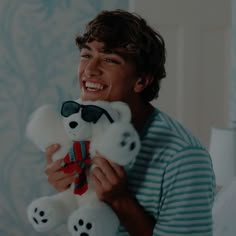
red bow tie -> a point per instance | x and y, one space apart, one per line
77 160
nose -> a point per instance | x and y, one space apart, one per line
73 124
93 67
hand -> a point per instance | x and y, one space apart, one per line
56 177
109 180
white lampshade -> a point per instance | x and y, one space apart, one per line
223 153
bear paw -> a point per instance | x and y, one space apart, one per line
81 228
43 214
93 221
120 143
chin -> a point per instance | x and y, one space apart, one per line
92 97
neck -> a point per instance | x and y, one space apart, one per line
140 113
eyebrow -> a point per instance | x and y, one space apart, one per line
105 50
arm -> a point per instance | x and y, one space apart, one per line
56 177
109 181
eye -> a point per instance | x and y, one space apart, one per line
111 60
85 55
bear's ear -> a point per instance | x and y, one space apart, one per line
123 110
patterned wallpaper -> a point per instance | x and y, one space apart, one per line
233 77
38 65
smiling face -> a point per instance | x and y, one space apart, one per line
106 75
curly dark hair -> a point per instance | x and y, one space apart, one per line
146 47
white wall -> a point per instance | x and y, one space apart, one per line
198 36
233 75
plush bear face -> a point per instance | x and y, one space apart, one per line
76 128
107 125
85 120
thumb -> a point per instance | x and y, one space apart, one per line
50 151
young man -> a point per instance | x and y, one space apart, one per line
170 188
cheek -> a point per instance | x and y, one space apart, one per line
79 74
79 69
125 84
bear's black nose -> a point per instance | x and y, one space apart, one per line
73 124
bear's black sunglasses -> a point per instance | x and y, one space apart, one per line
89 113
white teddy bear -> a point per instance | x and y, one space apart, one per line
107 126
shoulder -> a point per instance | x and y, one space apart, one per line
166 132
162 124
172 145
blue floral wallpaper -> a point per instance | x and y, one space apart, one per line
233 84
38 65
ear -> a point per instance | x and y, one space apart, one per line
123 110
142 83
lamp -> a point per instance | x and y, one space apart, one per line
223 153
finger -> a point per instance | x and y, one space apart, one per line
54 167
57 175
60 180
65 183
98 187
100 179
106 168
114 169
50 151
120 171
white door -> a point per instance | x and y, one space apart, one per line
197 35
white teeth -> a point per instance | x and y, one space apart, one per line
90 85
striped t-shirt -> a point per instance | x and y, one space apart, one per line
173 179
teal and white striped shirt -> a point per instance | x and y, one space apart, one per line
173 179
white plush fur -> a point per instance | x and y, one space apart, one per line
45 127
117 141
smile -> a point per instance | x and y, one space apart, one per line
93 86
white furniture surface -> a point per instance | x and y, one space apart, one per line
224 211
